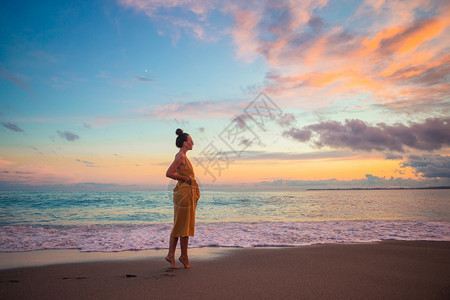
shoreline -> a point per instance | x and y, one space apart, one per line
386 269
49 257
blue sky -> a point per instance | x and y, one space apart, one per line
92 91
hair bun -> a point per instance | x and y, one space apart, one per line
179 131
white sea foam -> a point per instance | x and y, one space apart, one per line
109 238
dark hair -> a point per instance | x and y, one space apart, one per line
182 137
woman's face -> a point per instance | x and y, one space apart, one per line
189 143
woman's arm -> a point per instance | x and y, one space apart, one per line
172 171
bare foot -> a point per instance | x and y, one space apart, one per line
185 262
171 261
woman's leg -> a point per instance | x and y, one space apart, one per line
171 255
184 242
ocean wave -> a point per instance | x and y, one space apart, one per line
110 238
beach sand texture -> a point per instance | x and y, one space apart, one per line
384 270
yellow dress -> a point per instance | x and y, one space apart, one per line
185 198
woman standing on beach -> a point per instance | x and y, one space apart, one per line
185 196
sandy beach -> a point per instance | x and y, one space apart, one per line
384 270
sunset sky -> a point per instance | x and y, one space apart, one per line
275 94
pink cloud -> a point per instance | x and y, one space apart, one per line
199 110
4 163
244 35
152 7
193 21
392 13
390 49
399 64
264 27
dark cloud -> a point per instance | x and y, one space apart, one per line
275 20
342 43
316 23
301 135
67 135
273 75
241 120
393 156
432 134
340 37
181 122
354 134
430 166
87 163
421 103
84 161
144 79
12 127
426 75
297 46
370 181
6 74
246 142
286 119
438 75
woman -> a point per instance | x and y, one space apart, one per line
185 196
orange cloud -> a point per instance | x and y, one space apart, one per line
372 44
391 50
410 38
403 63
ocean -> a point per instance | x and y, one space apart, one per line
121 221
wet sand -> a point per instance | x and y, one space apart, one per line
384 270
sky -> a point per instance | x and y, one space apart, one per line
275 94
